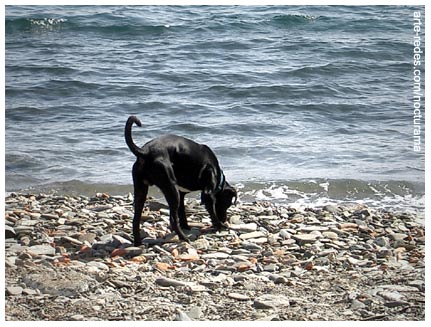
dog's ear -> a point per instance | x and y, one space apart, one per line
231 192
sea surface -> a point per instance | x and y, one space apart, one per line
301 104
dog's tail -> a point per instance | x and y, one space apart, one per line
137 151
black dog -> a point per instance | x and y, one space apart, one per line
177 165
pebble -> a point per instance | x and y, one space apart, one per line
215 255
74 253
256 234
44 249
305 238
330 235
238 296
14 290
166 282
270 301
9 232
182 316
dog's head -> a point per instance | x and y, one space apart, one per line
223 200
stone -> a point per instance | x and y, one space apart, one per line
235 219
305 238
356 305
331 208
256 234
393 304
382 241
74 241
244 228
397 237
14 290
182 316
238 296
195 313
49 216
87 237
9 232
121 239
29 291
133 251
270 301
44 249
313 228
215 255
68 283
284 234
166 282
77 317
330 235
391 296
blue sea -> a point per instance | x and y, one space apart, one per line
301 104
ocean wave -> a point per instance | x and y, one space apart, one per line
74 24
291 20
34 24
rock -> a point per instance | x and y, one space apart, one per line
382 241
96 266
356 305
201 244
49 216
244 228
77 317
304 238
9 232
269 301
391 296
133 251
195 313
121 239
397 237
182 316
87 237
393 304
14 290
256 234
284 234
330 235
67 283
348 227
29 291
74 241
235 219
45 249
331 208
238 296
313 228
166 282
215 255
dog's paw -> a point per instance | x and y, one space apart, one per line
185 226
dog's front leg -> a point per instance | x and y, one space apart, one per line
182 212
166 182
173 198
211 208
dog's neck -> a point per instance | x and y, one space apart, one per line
221 182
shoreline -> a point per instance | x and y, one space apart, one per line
71 258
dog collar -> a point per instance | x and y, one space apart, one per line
220 183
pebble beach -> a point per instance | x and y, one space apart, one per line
72 258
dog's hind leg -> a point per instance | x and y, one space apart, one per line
140 195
